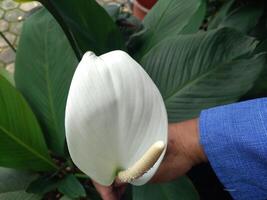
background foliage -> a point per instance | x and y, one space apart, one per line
199 53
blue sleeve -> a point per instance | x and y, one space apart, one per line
234 138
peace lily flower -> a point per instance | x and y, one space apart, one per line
116 121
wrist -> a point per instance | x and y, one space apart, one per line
189 137
198 150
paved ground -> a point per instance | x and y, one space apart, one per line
12 15
11 19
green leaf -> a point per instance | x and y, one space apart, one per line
113 10
94 195
65 198
260 30
45 64
19 195
128 193
181 189
7 75
22 144
170 18
13 180
196 20
13 183
23 0
71 187
87 25
43 185
259 88
203 70
243 18
220 15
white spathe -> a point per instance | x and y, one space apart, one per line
114 113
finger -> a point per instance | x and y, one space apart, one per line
106 192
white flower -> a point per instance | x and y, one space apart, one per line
114 114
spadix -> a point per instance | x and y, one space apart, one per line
116 122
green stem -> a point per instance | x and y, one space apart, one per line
61 21
79 175
8 42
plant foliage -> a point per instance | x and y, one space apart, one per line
198 59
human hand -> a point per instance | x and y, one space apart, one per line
183 152
112 192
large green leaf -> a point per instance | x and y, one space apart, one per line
22 144
13 180
181 189
43 185
13 184
259 89
71 187
260 30
19 195
87 25
23 0
196 19
169 18
243 18
45 64
202 70
65 198
220 15
7 75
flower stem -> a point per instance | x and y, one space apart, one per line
8 42
79 175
